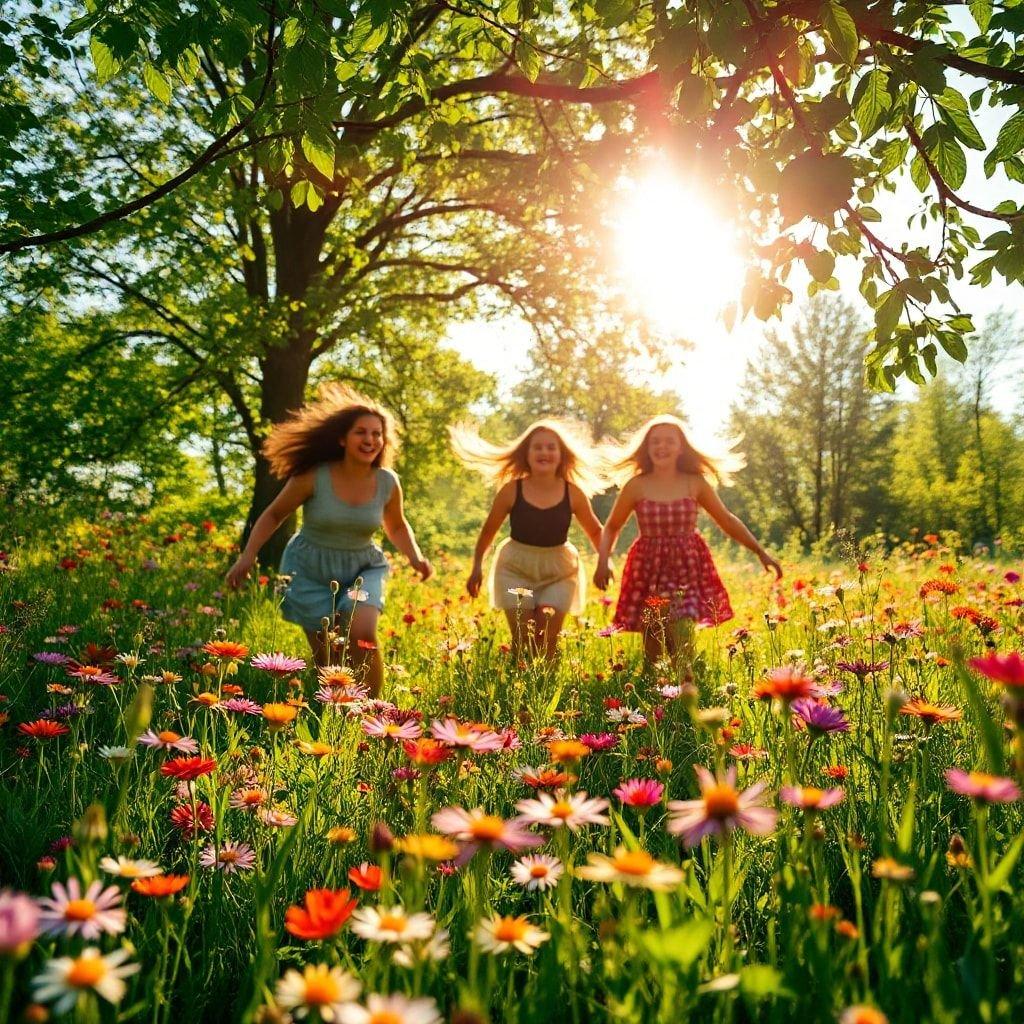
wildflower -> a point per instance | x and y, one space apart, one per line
891 870
563 751
70 911
476 828
393 1009
786 685
862 669
809 799
168 740
248 798
543 778
160 885
537 871
819 719
427 847
631 867
240 706
367 876
984 788
500 934
54 658
327 991
863 1014
383 729
187 769
338 676
746 752
65 978
480 740
435 948
278 716
340 835
182 819
931 714
720 809
116 754
206 699
391 924
231 857
94 674
598 742
278 664
322 916
124 867
1007 669
625 716
19 923
957 855
639 792
836 772
276 817
43 729
426 751
573 810
225 650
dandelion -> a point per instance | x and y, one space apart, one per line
19 923
160 886
537 871
391 924
231 857
984 788
630 867
322 915
639 792
187 769
168 740
477 828
92 913
810 799
317 988
125 867
501 934
571 810
278 664
65 978
393 1009
720 809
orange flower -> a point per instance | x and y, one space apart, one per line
226 650
425 751
567 751
279 715
931 714
367 876
160 885
43 729
187 768
324 914
786 685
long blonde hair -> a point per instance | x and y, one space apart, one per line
311 434
500 463
631 458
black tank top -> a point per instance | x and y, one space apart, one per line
541 527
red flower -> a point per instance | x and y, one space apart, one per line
181 818
367 876
226 649
187 768
324 914
425 751
43 729
1007 669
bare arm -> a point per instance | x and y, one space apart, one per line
296 491
399 532
583 510
732 526
621 511
500 508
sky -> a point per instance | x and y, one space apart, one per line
673 290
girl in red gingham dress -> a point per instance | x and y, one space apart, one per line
669 577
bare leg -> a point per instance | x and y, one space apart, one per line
547 627
366 661
321 655
520 625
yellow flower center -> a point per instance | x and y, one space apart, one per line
252 798
393 923
563 809
85 972
721 801
634 862
321 989
811 796
510 929
79 910
982 778
384 1017
539 871
128 870
487 828
167 736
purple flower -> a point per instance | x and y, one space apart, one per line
240 705
862 669
820 719
51 658
62 712
19 923
278 664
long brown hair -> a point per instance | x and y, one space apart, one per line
310 435
632 458
578 464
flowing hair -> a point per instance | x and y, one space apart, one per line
629 459
310 436
579 463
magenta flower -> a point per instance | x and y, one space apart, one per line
231 857
169 740
477 828
599 741
93 674
810 799
466 734
639 792
862 669
1011 577
1007 668
278 664
70 911
19 923
720 809
986 789
240 705
382 729
51 658
820 719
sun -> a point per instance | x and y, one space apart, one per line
675 253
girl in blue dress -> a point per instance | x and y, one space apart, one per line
334 455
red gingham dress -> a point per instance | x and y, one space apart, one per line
670 559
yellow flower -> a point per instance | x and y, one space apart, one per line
279 715
631 867
427 847
340 835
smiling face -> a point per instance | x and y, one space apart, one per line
365 440
544 454
664 445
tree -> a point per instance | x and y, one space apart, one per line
815 436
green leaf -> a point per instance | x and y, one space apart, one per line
365 36
888 314
954 345
318 149
953 111
292 32
103 59
981 12
815 185
1001 872
1010 140
298 193
821 265
680 946
905 837
156 82
841 31
871 101
759 981
946 154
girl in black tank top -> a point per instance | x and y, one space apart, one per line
537 576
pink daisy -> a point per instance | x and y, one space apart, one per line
599 741
572 810
240 706
382 729
463 734
720 809
169 740
70 911
477 828
278 664
986 789
231 857
639 792
811 799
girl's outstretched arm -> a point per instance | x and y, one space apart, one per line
296 491
583 510
733 527
500 508
399 532
621 511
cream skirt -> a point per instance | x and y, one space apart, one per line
554 576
